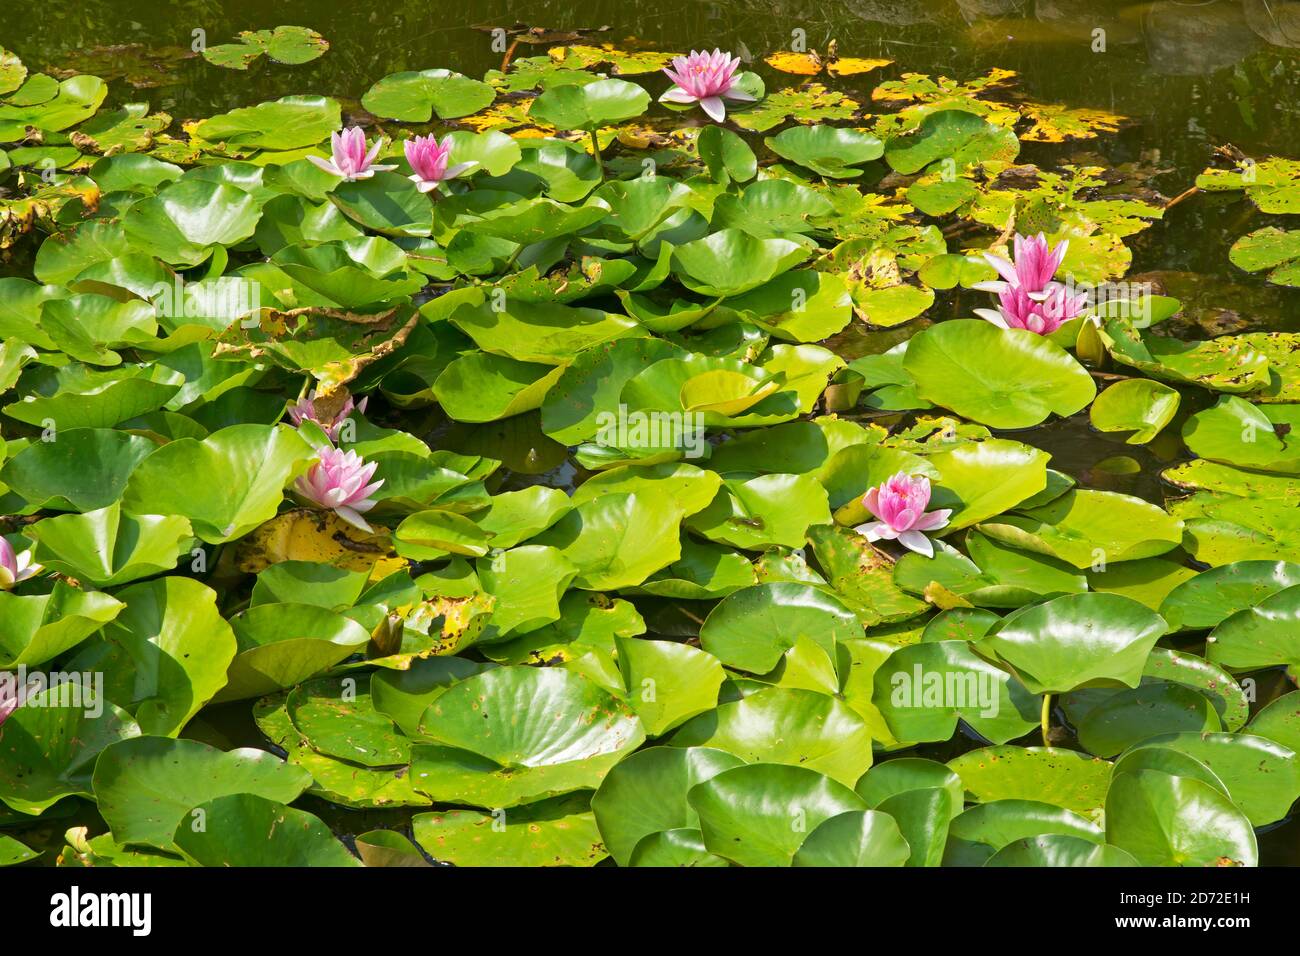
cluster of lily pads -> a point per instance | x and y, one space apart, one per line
349 426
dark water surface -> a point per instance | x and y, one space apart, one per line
1191 76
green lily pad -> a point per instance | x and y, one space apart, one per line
1238 433
187 220
281 645
1062 778
288 123
924 689
107 548
415 97
854 838
540 332
978 833
166 653
1132 716
487 756
1165 820
337 718
254 463
387 203
246 829
590 105
751 628
617 540
12 852
39 627
285 44
730 262
85 470
668 683
955 135
1059 849
481 387
827 150
1004 378
1276 250
557 832
50 744
801 728
147 787
527 582
760 814
1259 636
680 847
1137 405
338 781
1059 645
756 513
647 794
993 576
1090 529
1279 721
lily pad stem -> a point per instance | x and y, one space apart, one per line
1047 720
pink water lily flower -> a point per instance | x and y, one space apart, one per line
15 567
428 159
1018 309
1031 267
9 696
337 481
304 410
707 79
350 158
899 505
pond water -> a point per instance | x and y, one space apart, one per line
1190 77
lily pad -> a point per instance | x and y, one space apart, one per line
1066 642
246 829
751 628
226 484
571 734
966 366
1137 405
827 150
147 787
50 745
556 832
1165 820
760 814
647 794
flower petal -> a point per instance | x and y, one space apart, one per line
992 315
676 94
714 106
915 541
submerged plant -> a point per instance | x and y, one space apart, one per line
340 481
899 506
707 79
